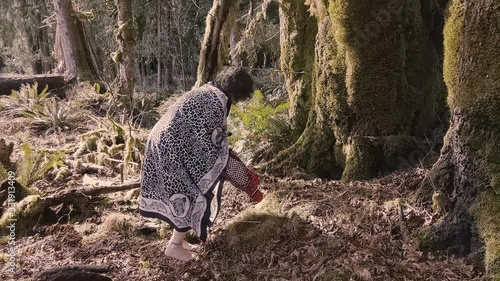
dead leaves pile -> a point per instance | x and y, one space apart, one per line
320 230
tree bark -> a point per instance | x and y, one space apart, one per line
297 33
126 42
466 179
169 67
368 87
70 49
160 46
213 41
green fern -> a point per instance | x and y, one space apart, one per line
26 101
259 121
36 163
53 116
47 114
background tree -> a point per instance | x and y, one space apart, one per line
215 42
125 56
71 48
368 87
466 179
30 52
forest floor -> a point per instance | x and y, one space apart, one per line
302 230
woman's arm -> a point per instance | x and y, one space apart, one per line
241 177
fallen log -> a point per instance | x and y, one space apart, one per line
100 190
77 194
36 209
9 83
85 168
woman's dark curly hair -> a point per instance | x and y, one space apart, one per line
235 82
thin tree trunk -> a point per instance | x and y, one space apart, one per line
126 43
33 34
47 64
235 37
143 72
160 47
168 58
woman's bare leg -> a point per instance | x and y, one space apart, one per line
175 247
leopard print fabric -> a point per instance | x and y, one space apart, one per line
236 172
186 152
239 175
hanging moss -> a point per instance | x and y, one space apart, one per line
127 31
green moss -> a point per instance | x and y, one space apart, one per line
426 239
114 222
376 74
384 61
256 224
127 31
297 59
473 83
117 57
452 36
360 160
485 212
62 174
26 214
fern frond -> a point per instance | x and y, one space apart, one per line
25 165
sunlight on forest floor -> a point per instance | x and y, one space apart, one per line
303 230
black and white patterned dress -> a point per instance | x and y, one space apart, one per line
186 152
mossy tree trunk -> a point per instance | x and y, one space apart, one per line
297 36
216 39
466 179
126 36
371 85
70 44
